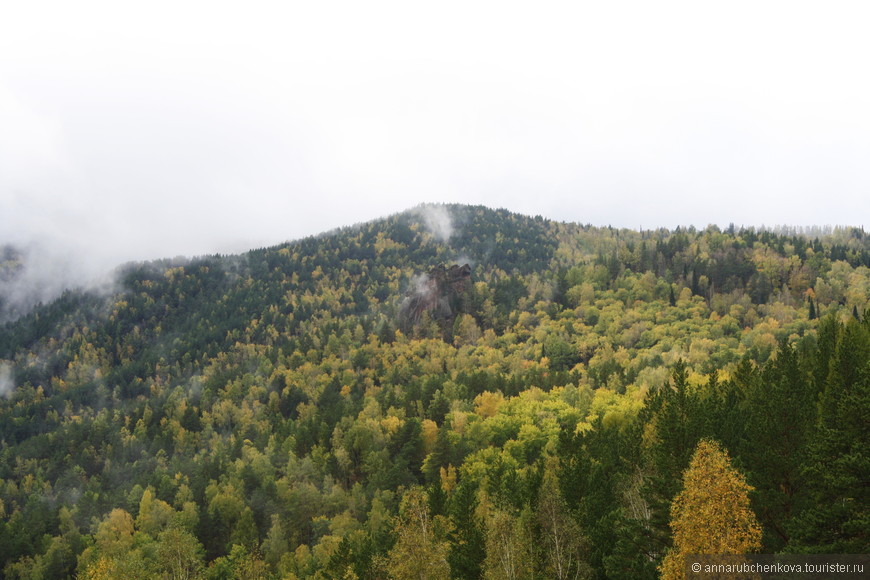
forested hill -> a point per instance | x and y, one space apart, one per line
350 406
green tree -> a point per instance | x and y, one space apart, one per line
673 422
239 564
467 541
779 422
837 516
276 544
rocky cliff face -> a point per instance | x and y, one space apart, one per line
442 293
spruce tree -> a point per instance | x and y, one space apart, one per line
467 541
677 417
781 401
837 518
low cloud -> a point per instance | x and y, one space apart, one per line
437 220
7 383
38 274
463 259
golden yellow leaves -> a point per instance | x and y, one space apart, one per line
712 514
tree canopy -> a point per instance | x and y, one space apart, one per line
273 415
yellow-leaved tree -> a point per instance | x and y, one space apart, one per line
712 514
421 549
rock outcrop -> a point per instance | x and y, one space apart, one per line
443 294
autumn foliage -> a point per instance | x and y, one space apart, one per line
712 514
270 414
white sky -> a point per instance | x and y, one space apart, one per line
150 129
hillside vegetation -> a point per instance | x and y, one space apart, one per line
279 414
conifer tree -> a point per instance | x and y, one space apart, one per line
837 516
678 421
467 545
778 428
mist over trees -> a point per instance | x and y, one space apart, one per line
281 414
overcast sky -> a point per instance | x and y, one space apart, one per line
149 129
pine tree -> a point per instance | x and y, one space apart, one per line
712 514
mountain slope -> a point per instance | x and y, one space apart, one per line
269 410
